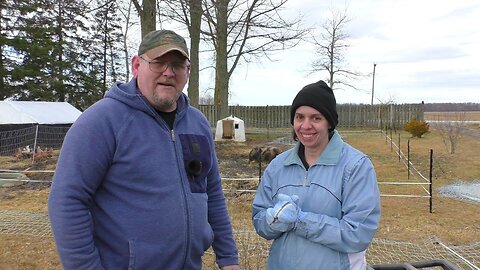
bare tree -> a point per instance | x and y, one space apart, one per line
3 92
127 16
188 13
206 99
148 15
331 48
235 32
194 31
384 113
246 31
218 26
451 130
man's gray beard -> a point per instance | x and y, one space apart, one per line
164 104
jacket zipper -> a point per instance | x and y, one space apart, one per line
187 247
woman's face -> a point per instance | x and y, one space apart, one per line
311 128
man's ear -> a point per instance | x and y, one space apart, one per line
135 65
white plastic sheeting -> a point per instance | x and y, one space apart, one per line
37 112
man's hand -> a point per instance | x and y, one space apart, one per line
230 267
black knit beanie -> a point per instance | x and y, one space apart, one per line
320 97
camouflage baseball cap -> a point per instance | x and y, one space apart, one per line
159 42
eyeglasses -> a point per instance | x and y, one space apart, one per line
159 66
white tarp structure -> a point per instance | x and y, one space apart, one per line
230 128
37 112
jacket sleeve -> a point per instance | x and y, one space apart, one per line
264 200
361 214
223 244
81 166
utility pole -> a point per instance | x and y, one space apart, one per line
373 82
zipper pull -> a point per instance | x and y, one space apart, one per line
172 134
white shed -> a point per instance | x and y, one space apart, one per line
230 128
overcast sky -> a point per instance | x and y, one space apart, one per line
425 50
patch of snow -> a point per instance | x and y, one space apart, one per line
462 190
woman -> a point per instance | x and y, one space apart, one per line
319 201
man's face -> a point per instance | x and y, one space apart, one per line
161 88
311 128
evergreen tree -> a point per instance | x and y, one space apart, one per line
30 49
56 51
108 32
3 40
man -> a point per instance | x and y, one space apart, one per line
137 184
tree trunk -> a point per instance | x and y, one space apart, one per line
148 19
3 91
221 69
194 30
58 73
125 44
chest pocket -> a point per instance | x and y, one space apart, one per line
196 157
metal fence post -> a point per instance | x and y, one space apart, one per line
431 180
399 151
35 144
408 159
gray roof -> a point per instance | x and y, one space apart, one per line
37 112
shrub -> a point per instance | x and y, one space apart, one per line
417 128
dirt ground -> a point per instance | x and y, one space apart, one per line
404 219
452 220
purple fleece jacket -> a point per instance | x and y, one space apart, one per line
122 198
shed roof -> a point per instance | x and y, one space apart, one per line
37 112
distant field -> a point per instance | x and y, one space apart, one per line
452 116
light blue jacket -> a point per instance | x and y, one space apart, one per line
340 195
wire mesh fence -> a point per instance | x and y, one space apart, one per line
253 250
27 140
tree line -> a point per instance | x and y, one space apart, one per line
59 50
74 50
452 107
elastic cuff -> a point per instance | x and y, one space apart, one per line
301 216
227 261
301 229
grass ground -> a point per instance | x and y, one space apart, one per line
406 219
